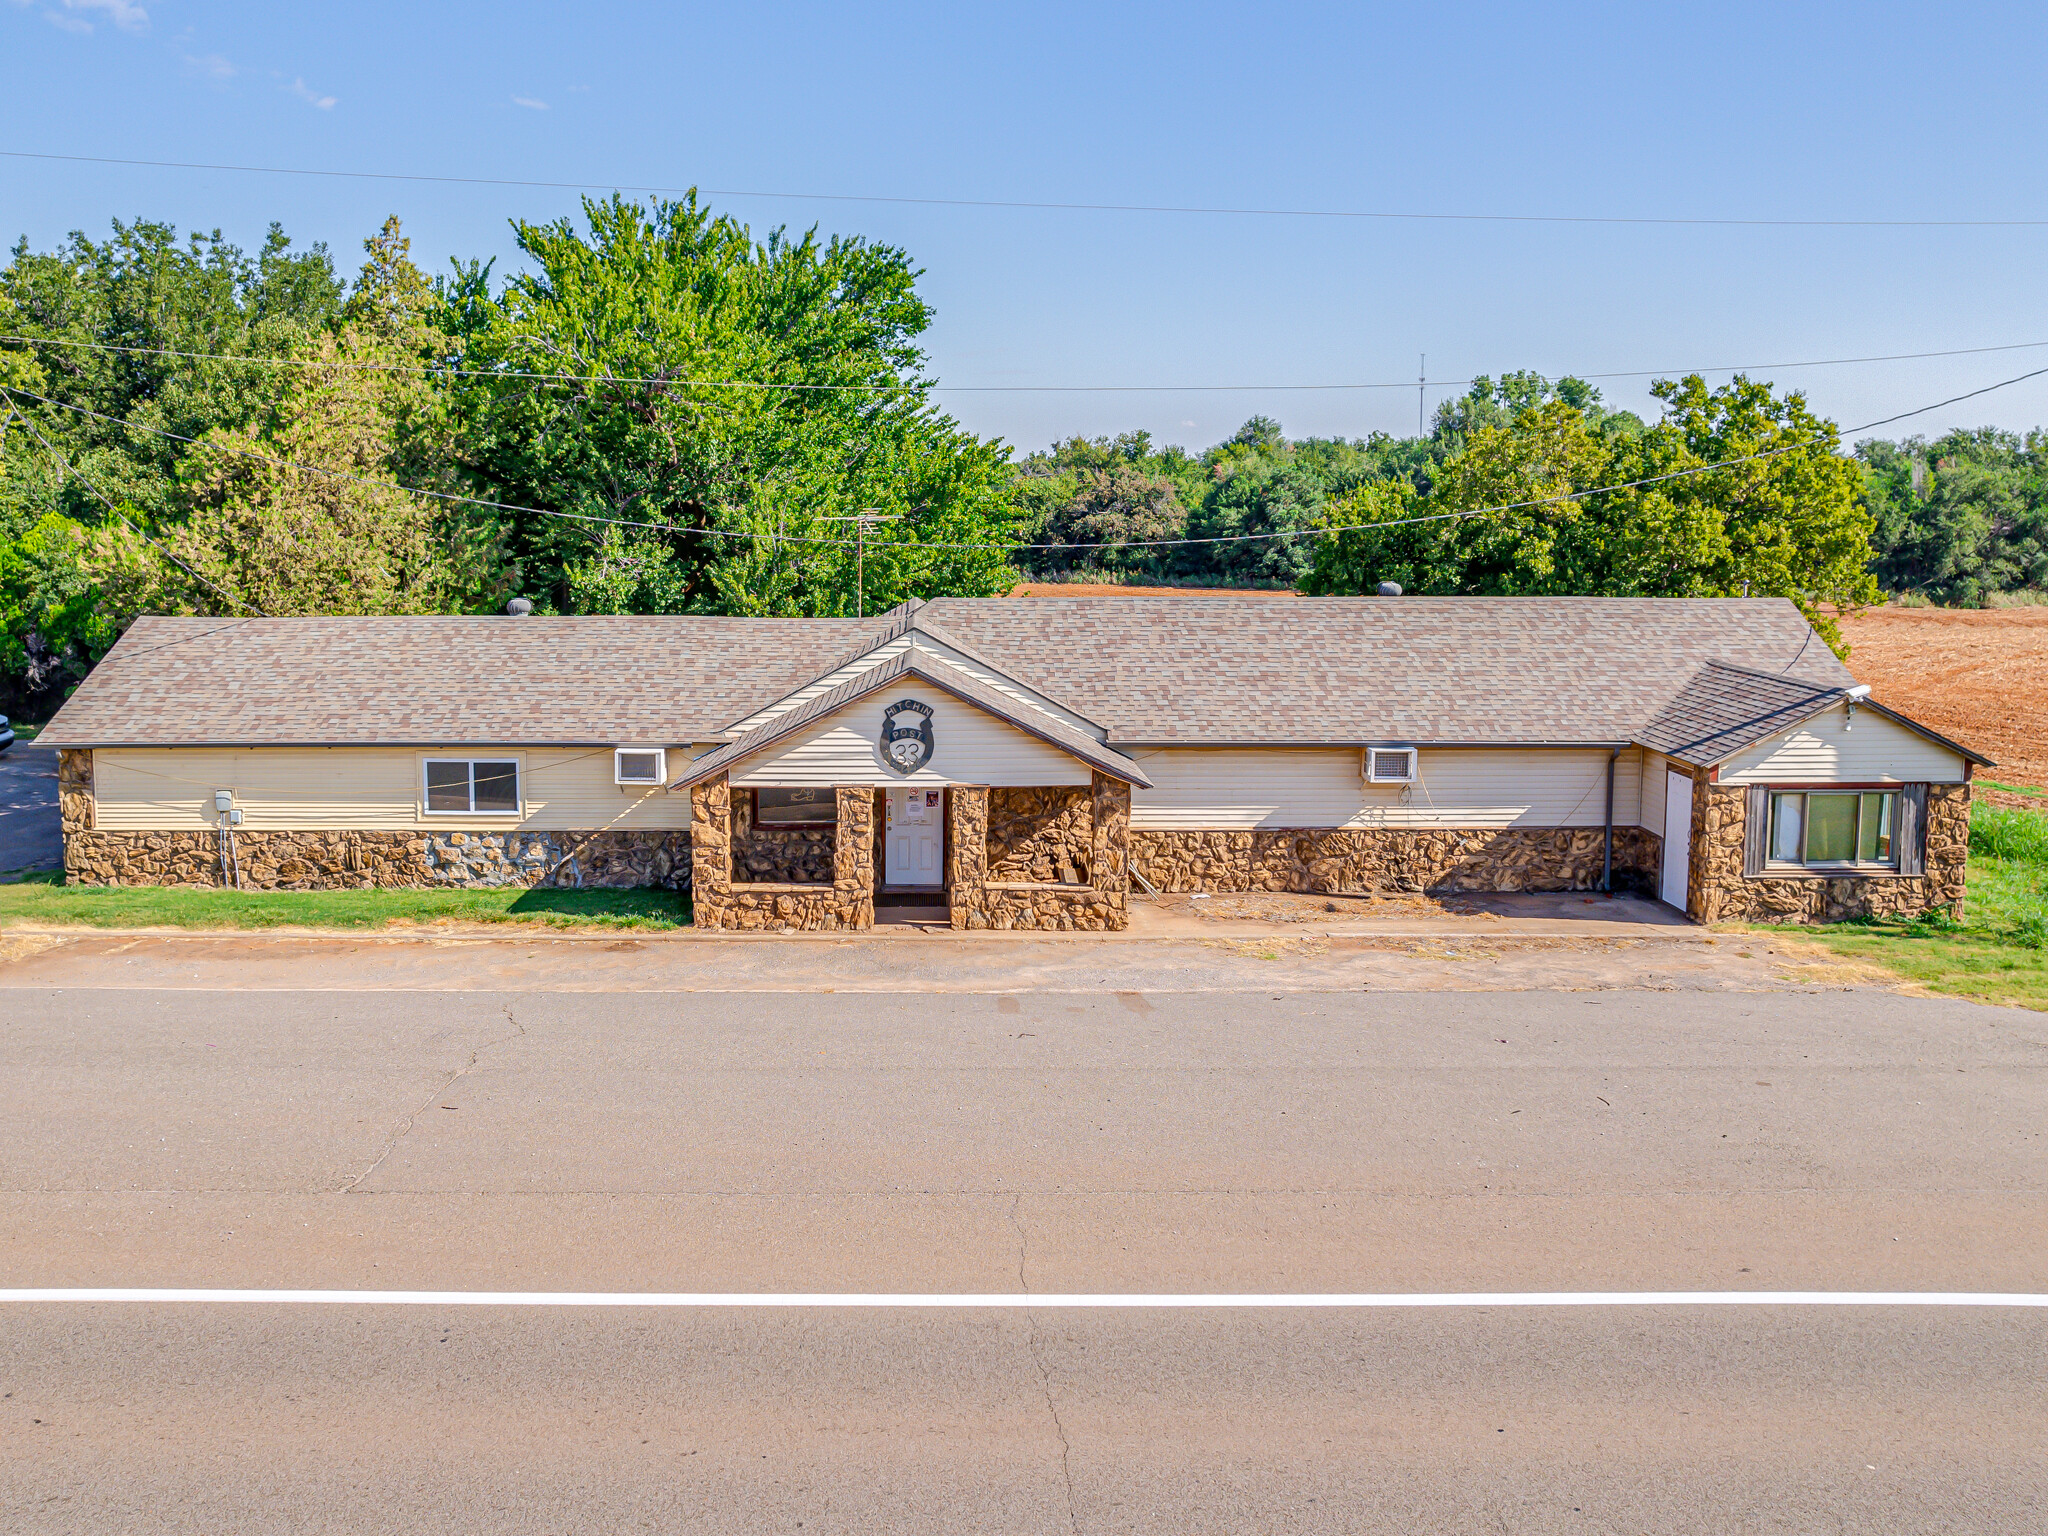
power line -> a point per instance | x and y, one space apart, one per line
982 202
1241 538
439 370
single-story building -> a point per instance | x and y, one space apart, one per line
1022 762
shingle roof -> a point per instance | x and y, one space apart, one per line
939 675
423 681
1724 709
1420 669
1198 670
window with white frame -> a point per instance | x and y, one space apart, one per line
1834 828
472 786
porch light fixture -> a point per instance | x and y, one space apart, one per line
1856 696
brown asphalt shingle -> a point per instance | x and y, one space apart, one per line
1194 669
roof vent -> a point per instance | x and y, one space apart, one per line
1390 589
519 607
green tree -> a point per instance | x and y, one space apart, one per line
1522 506
646 320
144 290
1243 512
1960 520
1096 501
321 509
140 289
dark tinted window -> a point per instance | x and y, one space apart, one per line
796 807
447 786
497 786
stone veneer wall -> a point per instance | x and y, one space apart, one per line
1333 860
720 902
74 789
977 897
1043 835
359 860
353 859
778 855
1717 891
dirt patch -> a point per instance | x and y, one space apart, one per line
1977 675
1289 907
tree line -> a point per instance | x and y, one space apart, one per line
661 413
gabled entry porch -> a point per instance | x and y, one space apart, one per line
911 780
1059 858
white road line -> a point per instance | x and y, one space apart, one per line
859 1300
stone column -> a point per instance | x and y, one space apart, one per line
1716 821
1109 859
853 856
74 788
967 857
1948 847
711 852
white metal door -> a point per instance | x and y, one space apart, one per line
1677 837
914 838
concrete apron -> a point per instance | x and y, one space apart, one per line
905 963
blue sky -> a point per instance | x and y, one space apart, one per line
1724 111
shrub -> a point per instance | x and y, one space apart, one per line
2020 837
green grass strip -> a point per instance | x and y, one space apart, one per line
43 900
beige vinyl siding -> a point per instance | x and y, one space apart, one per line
1232 788
970 747
1830 748
373 788
1650 771
924 644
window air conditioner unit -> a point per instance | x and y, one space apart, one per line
1390 765
643 766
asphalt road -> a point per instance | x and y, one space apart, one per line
1155 1142
31 830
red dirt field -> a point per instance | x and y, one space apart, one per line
1977 675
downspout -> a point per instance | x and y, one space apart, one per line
1607 857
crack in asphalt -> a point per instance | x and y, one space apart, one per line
1052 1408
406 1125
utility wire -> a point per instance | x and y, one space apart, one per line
72 470
981 202
1240 538
950 389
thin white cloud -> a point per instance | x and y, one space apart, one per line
211 65
312 97
529 103
125 14
67 23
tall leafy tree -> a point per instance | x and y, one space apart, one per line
646 322
142 289
1094 505
318 506
1257 514
1749 495
1960 520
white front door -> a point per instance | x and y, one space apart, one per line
1677 836
914 839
